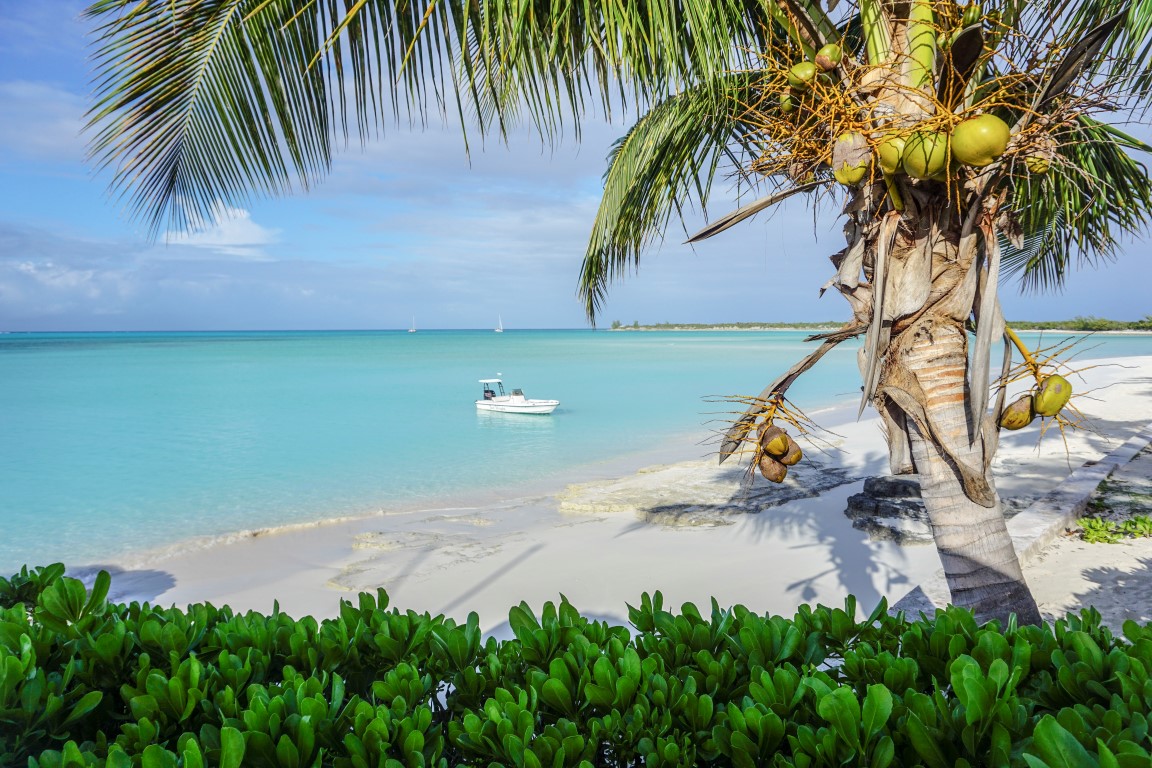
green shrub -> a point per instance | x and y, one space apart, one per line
87 683
1098 530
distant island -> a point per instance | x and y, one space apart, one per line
1084 324
1078 324
636 326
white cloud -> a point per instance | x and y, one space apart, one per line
232 233
80 279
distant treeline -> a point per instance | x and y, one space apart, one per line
636 326
1075 324
1085 324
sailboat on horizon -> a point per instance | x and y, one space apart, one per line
499 324
412 329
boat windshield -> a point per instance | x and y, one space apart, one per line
517 392
493 388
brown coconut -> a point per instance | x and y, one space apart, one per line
772 469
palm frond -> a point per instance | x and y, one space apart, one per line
730 220
203 102
1095 193
1129 46
669 158
1080 57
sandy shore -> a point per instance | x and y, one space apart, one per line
690 529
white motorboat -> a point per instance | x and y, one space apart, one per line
496 399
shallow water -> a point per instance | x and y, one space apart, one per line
116 443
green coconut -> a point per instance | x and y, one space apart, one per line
889 152
850 174
926 155
980 140
829 57
787 104
801 75
973 13
1053 394
1038 163
1019 414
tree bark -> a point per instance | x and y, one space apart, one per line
980 563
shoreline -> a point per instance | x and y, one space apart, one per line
676 448
682 448
592 540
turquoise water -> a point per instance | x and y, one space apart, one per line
116 443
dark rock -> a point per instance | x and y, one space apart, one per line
862 505
895 497
888 487
899 530
890 509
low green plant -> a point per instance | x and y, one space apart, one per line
1139 527
1097 530
85 682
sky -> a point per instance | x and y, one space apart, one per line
407 229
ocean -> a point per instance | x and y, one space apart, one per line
120 444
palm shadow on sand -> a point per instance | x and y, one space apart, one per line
1117 594
128 585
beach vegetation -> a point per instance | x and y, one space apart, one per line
737 326
1096 530
88 682
1076 324
200 104
1085 324
1103 530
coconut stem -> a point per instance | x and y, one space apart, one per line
921 44
770 413
894 192
784 19
877 35
1029 358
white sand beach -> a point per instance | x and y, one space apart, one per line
687 528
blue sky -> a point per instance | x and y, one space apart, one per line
407 227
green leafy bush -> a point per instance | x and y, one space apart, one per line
87 683
1095 530
1098 530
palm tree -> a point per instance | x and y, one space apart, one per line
962 140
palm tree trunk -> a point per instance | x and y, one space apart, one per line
980 563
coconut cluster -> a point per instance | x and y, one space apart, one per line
928 155
1047 400
804 74
908 120
827 123
777 452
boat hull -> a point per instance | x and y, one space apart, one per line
532 407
